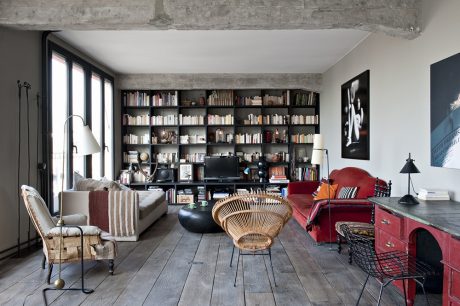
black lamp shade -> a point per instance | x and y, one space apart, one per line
409 167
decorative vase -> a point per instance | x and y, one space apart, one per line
262 165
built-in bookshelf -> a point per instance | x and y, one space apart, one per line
174 127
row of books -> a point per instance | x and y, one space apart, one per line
136 120
221 98
302 138
305 99
136 139
248 138
165 99
219 120
306 174
130 156
192 139
136 99
304 119
191 120
193 157
164 120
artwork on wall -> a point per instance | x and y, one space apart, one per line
355 117
445 112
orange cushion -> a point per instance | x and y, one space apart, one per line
323 192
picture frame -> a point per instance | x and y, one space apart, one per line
445 112
355 117
186 172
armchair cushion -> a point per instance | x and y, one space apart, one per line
88 230
74 219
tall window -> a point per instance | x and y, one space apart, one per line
78 88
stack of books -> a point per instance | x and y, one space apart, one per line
278 179
431 194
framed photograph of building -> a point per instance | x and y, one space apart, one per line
445 112
185 172
355 117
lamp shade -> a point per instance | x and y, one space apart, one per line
317 157
318 141
87 143
409 167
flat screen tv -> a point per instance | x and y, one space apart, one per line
221 168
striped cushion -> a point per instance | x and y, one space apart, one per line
347 193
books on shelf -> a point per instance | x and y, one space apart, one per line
136 139
220 120
165 99
433 194
136 99
306 174
302 138
191 120
305 99
221 98
304 119
136 120
164 120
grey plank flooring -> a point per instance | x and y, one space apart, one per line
170 266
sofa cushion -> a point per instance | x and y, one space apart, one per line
326 191
148 200
347 193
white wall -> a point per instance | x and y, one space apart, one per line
19 60
399 99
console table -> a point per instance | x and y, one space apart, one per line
396 228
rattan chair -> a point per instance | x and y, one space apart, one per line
75 238
252 221
385 267
381 189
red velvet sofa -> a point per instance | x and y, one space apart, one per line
313 215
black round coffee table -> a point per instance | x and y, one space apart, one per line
199 219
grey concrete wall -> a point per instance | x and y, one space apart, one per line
19 60
399 100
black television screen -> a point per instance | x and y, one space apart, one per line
221 168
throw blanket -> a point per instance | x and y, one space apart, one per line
115 212
319 205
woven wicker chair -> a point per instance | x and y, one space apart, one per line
94 246
252 221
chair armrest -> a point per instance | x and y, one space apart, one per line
75 219
305 187
72 231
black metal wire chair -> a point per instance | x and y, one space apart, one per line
385 267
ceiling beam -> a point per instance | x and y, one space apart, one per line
307 81
393 17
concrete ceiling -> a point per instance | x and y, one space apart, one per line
277 51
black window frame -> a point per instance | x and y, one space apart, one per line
89 69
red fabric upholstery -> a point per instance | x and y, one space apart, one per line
313 215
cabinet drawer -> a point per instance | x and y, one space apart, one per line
388 222
454 253
386 242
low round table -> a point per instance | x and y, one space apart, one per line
199 219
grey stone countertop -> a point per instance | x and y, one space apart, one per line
444 215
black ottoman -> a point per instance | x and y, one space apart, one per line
199 219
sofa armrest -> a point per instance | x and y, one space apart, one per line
75 202
304 187
72 231
75 219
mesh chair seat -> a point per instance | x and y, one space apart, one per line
386 266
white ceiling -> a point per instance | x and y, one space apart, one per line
255 51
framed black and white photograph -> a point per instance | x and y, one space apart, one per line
445 112
355 117
185 172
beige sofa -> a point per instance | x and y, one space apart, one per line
152 205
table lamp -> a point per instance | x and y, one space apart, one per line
409 168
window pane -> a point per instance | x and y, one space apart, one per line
96 124
108 130
78 108
59 106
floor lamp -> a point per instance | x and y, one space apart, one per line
317 158
87 144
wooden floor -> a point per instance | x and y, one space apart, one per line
170 266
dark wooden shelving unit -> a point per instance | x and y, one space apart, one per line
239 112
